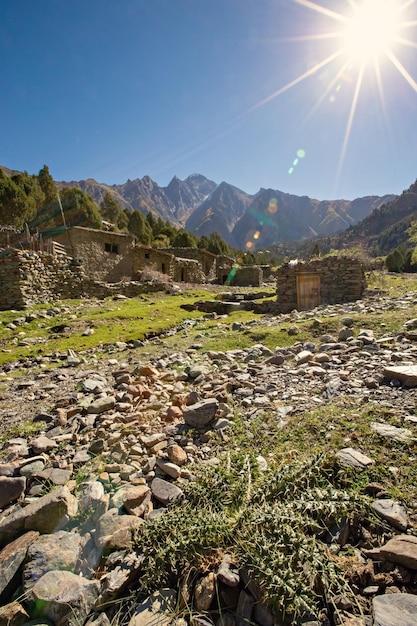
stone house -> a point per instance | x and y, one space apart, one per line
207 260
305 285
216 267
179 269
106 255
153 259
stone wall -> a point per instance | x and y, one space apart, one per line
153 259
247 276
28 278
341 280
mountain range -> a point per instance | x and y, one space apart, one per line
245 221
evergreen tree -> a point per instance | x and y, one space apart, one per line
184 240
150 218
217 245
111 211
139 227
35 197
47 185
13 202
203 243
161 241
78 209
394 261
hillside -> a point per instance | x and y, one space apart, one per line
385 228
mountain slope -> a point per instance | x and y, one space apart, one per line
386 227
188 194
275 216
220 212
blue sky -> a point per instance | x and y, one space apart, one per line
116 90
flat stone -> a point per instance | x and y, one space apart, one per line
303 357
46 515
227 572
395 609
114 531
406 374
134 499
164 491
13 614
392 512
204 592
8 469
201 414
81 457
59 594
30 469
43 444
177 455
92 501
152 611
58 551
402 550
11 560
101 405
151 440
170 469
402 435
55 475
349 457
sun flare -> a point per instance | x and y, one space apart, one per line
357 42
371 30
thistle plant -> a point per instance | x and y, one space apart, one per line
273 524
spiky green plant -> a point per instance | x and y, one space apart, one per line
273 523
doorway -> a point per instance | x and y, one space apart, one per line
308 291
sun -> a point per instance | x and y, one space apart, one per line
371 30
363 37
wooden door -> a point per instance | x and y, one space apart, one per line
308 291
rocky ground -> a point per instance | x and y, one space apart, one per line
121 437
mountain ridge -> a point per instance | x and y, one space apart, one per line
245 221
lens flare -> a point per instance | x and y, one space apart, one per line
273 206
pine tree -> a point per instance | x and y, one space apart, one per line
47 184
139 227
112 211
13 203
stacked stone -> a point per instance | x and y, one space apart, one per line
28 278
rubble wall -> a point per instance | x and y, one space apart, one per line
247 276
28 278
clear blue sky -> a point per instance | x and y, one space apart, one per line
113 90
